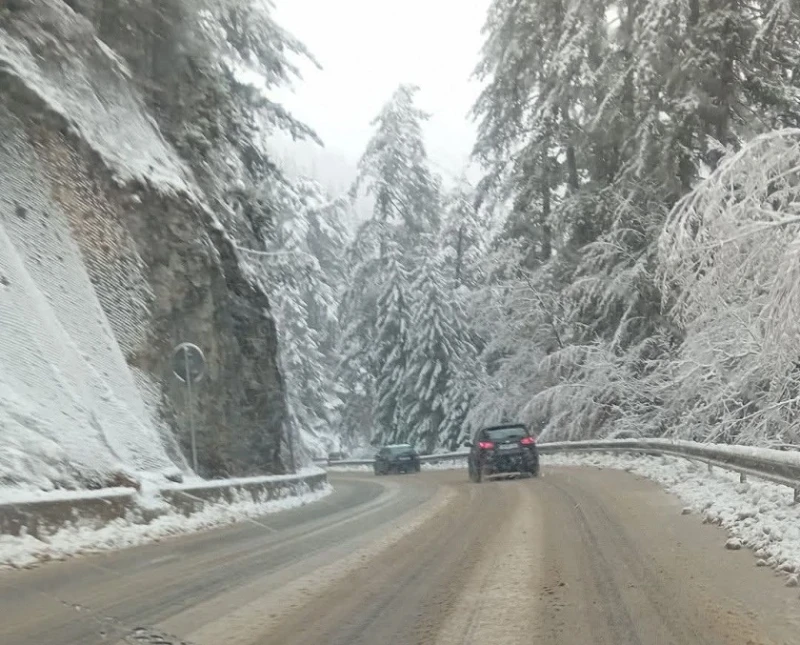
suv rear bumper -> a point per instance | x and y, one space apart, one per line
517 462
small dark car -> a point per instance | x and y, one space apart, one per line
336 456
503 449
396 459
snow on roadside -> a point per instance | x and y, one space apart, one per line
26 551
446 464
757 514
349 469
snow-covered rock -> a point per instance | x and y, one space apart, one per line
109 256
733 544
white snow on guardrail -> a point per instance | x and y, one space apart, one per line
766 455
197 483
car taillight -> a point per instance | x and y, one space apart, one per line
485 445
528 441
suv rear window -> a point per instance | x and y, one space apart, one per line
400 450
504 434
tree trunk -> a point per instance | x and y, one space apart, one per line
459 254
547 242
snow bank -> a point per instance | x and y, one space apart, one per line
757 514
165 521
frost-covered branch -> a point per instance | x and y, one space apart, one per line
735 243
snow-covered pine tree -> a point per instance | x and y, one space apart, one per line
463 237
464 242
357 315
304 279
255 55
463 379
434 341
326 236
395 172
390 351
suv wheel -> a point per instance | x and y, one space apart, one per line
532 471
530 466
476 473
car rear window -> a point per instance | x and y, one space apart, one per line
400 450
503 434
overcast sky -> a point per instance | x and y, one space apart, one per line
367 48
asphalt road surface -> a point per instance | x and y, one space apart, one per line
578 556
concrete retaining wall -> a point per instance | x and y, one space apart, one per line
98 509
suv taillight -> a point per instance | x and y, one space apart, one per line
528 441
485 445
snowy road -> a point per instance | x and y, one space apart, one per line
579 556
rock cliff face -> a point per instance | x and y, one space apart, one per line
116 244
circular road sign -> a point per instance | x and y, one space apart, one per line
188 363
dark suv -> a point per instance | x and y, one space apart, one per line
502 449
395 459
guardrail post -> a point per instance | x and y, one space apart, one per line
710 468
796 495
742 478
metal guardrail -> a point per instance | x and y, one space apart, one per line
779 466
447 456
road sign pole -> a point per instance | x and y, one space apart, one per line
188 366
191 412
291 447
